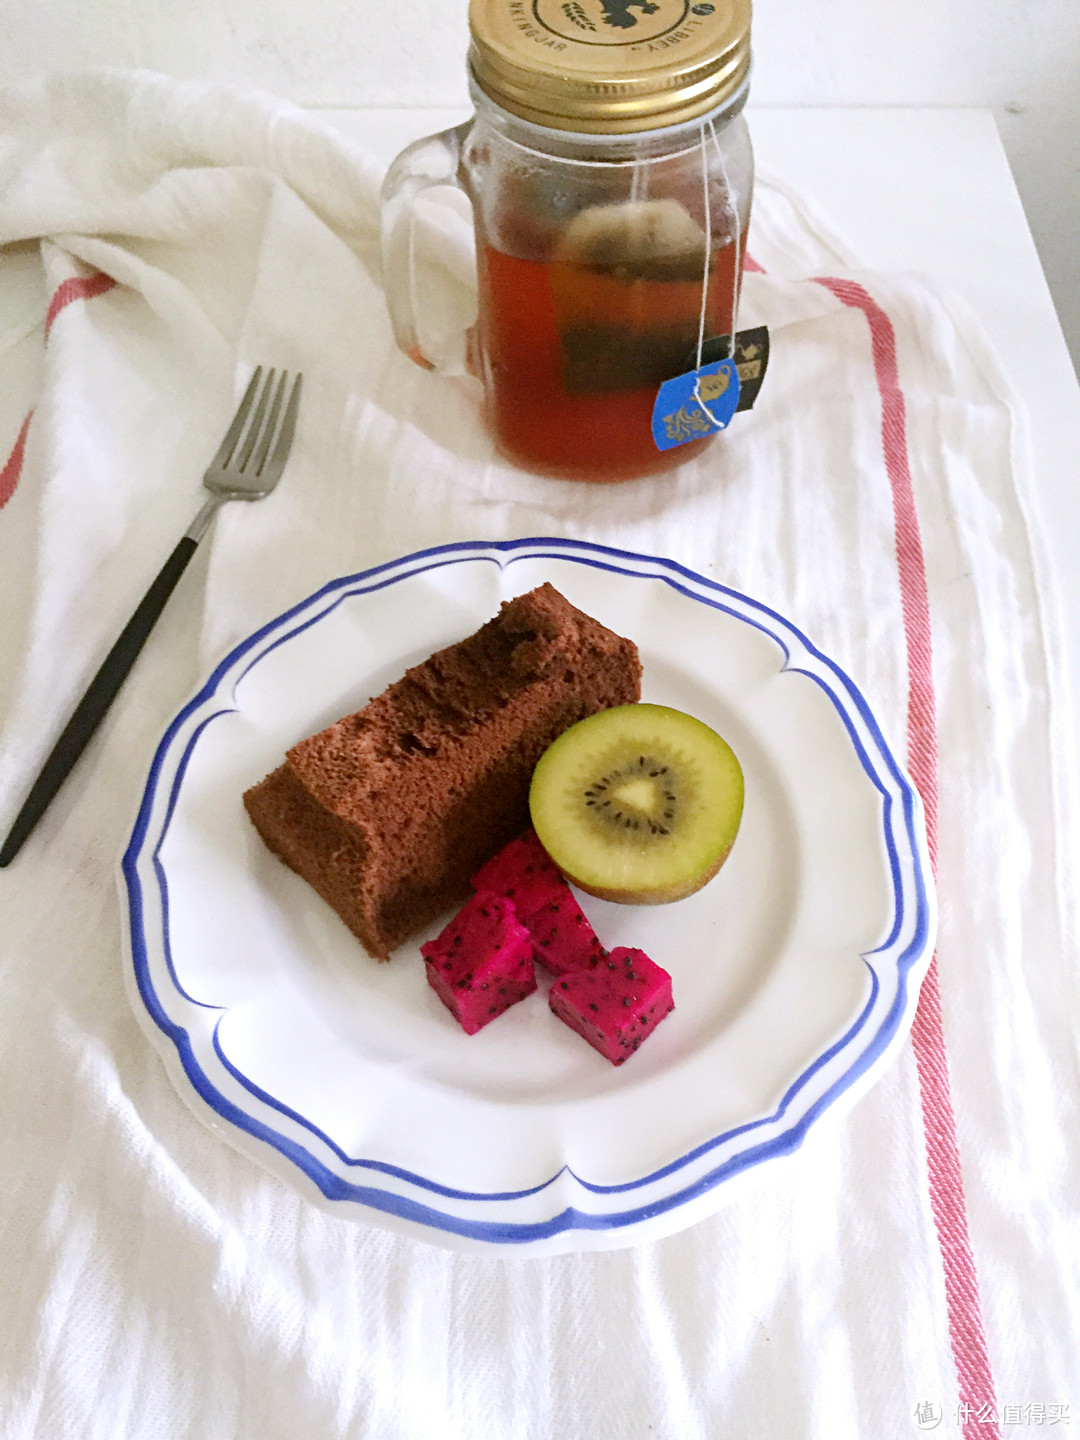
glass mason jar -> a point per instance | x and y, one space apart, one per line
610 174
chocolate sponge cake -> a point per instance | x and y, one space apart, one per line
389 811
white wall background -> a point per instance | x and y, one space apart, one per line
1019 57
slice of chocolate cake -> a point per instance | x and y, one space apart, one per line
388 812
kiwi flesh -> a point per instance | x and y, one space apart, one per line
639 804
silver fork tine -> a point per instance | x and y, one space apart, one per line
256 423
271 423
276 463
232 435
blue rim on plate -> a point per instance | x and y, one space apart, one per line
674 1193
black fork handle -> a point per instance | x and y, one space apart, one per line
94 705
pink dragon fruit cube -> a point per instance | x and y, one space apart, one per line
615 1004
563 939
481 963
524 873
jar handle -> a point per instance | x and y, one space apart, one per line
427 163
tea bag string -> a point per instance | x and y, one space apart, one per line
707 208
708 258
736 236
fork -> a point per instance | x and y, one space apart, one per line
246 467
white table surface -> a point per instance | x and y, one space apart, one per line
918 191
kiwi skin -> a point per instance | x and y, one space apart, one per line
650 897
723 774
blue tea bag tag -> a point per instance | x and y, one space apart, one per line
695 404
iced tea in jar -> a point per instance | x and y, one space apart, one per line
610 173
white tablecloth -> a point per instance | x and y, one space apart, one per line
917 1258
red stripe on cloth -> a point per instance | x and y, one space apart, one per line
966 1332
77 288
915 601
749 263
9 476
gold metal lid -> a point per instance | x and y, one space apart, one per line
609 67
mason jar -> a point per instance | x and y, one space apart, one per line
610 175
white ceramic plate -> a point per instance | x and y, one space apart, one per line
795 971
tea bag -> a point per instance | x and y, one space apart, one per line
636 240
626 282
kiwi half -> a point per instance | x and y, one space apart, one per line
639 804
